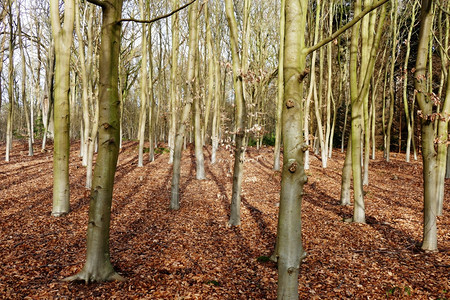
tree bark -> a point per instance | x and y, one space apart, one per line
144 88
63 41
173 103
280 95
98 266
9 120
184 121
428 150
289 248
240 113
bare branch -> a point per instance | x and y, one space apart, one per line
157 18
344 28
98 2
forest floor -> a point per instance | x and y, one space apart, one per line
193 254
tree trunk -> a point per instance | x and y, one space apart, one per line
391 81
428 150
240 113
346 175
289 248
184 122
63 41
173 103
84 93
280 95
359 92
151 101
28 116
198 137
447 174
98 265
9 121
144 88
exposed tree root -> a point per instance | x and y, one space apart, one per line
89 277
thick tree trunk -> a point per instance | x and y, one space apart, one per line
356 124
98 265
289 238
63 41
427 129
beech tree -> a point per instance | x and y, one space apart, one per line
184 118
62 36
240 112
98 266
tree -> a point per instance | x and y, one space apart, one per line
280 95
173 84
144 87
10 84
289 248
240 112
98 266
62 36
193 27
427 129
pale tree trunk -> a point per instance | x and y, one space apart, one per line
173 103
394 15
347 175
98 266
47 101
356 124
2 51
85 80
409 120
9 121
428 150
289 237
91 145
328 135
280 94
442 125
184 120
311 92
211 62
359 92
144 87
240 113
198 138
447 174
367 27
151 101
28 116
216 115
317 98
63 41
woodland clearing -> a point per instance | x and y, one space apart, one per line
193 254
